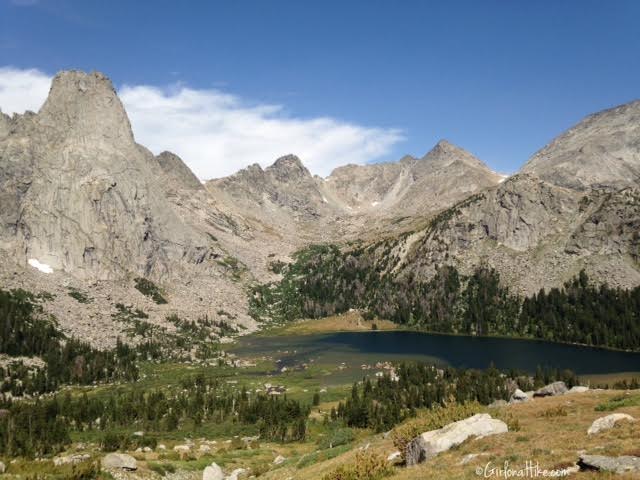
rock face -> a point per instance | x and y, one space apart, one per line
605 423
119 461
551 390
432 443
83 197
601 150
623 464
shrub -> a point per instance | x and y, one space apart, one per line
111 442
367 466
337 437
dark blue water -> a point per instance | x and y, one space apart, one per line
355 348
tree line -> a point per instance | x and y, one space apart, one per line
323 281
27 331
43 426
387 401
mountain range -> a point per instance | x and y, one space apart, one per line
83 207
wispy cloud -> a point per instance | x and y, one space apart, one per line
217 133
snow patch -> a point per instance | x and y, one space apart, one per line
373 204
324 199
43 267
502 178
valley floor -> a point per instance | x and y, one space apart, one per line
548 431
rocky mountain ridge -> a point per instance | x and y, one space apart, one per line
82 199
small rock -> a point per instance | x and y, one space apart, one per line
138 434
120 460
213 472
162 446
3 468
470 457
279 459
204 448
623 464
71 459
147 450
394 457
605 423
551 390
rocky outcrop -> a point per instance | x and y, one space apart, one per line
430 444
551 390
601 463
119 461
178 174
608 422
601 150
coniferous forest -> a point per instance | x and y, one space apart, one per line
27 331
323 281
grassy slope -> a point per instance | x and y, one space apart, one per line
347 322
553 441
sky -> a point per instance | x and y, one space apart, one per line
225 84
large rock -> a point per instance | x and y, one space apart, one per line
120 460
213 472
518 396
623 464
551 390
430 444
605 423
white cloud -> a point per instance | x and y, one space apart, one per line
216 133
22 90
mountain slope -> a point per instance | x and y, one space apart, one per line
446 174
80 197
601 150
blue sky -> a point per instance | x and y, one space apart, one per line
499 78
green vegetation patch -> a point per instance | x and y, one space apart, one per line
79 296
150 289
619 402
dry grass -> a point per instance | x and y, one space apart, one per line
551 440
348 322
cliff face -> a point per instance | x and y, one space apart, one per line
83 196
